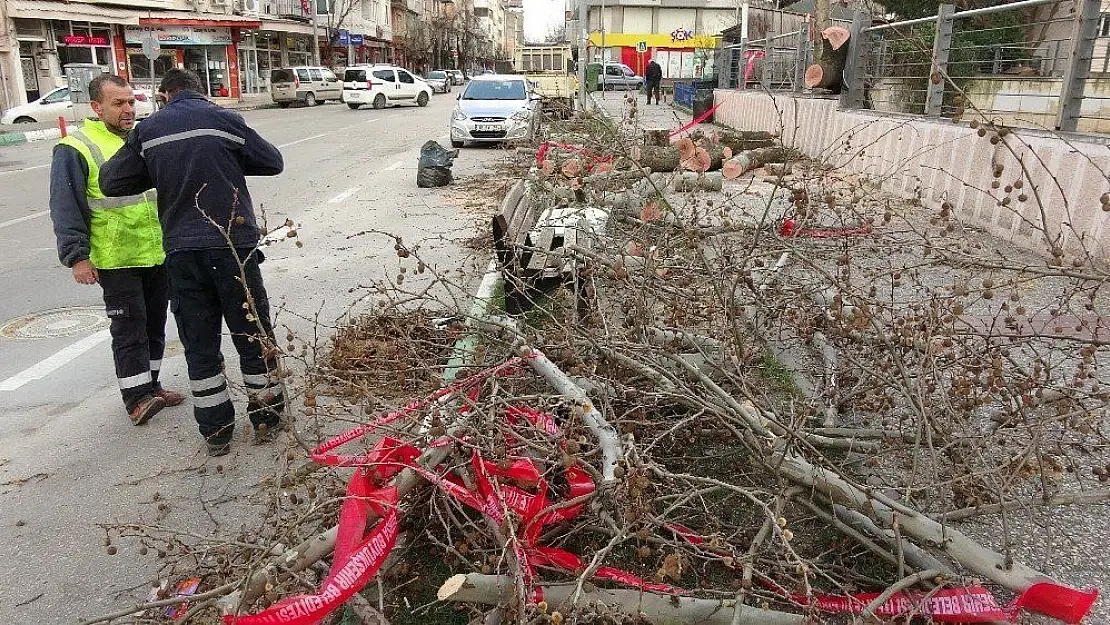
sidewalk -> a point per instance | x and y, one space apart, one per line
18 134
616 106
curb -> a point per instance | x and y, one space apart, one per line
19 138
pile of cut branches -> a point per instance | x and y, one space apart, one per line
716 418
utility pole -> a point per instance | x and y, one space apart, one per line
582 37
315 36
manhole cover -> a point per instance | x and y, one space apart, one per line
53 323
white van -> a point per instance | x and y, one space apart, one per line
310 85
383 85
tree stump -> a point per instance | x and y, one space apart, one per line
828 71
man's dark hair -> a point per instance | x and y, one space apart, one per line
178 80
96 85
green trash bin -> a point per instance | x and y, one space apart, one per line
593 70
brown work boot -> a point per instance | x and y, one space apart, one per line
145 409
172 398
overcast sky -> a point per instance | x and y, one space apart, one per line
541 16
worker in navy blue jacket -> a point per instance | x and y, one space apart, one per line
197 155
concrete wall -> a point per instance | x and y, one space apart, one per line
1021 102
945 161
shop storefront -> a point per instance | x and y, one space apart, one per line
207 47
261 51
681 54
84 42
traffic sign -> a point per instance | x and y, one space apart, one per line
641 46
151 47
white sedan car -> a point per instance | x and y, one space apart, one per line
494 109
56 104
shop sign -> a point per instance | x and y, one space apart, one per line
84 40
344 37
681 34
180 35
357 40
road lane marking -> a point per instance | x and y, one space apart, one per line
52 363
23 169
285 145
344 195
19 220
396 165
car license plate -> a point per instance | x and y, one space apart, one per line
487 127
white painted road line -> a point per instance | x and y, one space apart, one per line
52 363
285 145
19 220
344 195
396 165
23 169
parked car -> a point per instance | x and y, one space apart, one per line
56 103
310 85
439 81
494 108
619 76
383 85
456 75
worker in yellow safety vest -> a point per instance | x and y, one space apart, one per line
116 242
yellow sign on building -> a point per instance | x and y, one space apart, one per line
680 38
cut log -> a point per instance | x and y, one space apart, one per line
736 166
836 36
657 137
691 181
494 589
663 159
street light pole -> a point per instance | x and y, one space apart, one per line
582 35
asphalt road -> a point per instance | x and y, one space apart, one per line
69 458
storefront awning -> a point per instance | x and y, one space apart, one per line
171 18
47 10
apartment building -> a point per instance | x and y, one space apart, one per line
491 23
231 44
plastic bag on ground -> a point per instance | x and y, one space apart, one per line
434 167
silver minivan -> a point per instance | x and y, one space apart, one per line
310 85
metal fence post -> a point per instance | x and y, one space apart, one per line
800 57
853 95
942 43
1080 52
742 66
768 72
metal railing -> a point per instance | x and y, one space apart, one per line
684 93
1033 63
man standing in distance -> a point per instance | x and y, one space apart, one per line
197 155
652 78
116 241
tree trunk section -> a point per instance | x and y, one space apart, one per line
661 609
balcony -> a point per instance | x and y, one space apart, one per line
285 9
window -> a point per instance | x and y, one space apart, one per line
613 70
1104 25
302 74
61 95
385 74
316 75
496 90
281 75
328 75
404 76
